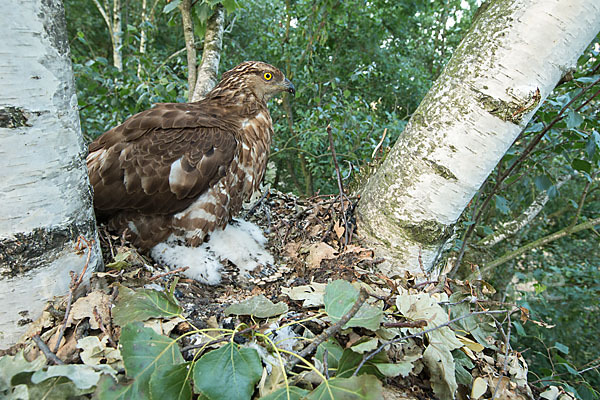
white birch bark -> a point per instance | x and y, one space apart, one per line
507 64
44 189
211 54
115 29
142 36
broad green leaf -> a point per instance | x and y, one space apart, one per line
230 5
143 352
351 360
334 352
339 298
227 373
392 370
361 387
171 382
56 388
440 363
574 119
561 347
542 182
14 365
83 376
593 144
502 204
294 393
364 345
581 165
462 366
259 306
109 389
171 6
143 304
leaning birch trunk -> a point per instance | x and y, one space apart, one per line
508 63
44 189
211 54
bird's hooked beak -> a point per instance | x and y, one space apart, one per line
289 87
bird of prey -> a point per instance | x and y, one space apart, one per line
178 171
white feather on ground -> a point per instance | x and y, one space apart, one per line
241 242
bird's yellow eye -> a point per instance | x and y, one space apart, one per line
267 76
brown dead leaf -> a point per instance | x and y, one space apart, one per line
318 252
339 229
292 249
84 308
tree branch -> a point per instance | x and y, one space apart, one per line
510 228
211 54
540 242
188 33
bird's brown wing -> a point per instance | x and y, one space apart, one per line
160 160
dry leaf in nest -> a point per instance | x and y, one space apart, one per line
318 252
312 294
84 308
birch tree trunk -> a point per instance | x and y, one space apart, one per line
512 58
44 189
190 44
115 29
211 54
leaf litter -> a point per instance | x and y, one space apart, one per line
143 331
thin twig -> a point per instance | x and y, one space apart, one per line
180 269
380 143
216 341
103 328
329 332
75 282
50 356
506 348
389 342
340 187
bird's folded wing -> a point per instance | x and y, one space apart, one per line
160 160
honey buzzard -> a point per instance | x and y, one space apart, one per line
179 171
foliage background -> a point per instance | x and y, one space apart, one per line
363 67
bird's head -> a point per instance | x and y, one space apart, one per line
263 79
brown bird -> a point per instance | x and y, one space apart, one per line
179 171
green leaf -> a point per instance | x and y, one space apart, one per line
573 119
365 345
171 6
171 382
440 363
83 376
339 298
542 182
334 352
227 373
259 306
14 365
392 370
143 352
143 304
230 5
463 365
56 388
593 144
581 165
363 387
561 347
502 204
351 360
294 393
